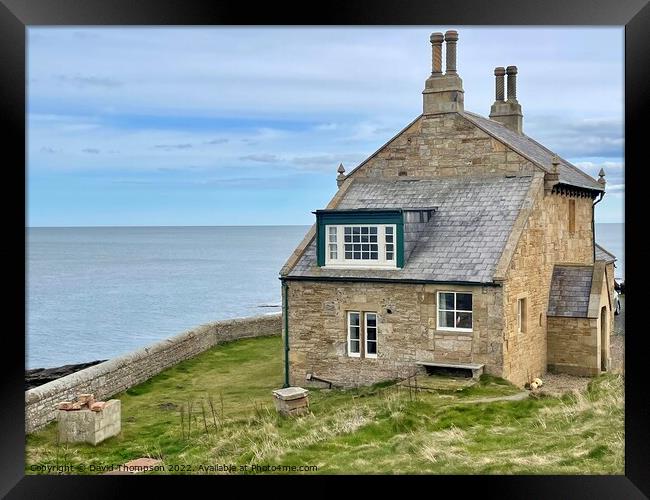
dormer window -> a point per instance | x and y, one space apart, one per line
360 238
361 245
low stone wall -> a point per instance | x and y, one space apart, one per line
116 375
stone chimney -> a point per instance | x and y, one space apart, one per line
443 93
507 112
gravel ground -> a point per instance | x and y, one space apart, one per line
555 384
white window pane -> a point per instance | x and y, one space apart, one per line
354 346
371 347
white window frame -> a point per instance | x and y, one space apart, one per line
342 263
363 336
454 310
360 340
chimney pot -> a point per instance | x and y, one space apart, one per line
499 72
511 71
436 43
451 37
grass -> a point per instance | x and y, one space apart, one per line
379 429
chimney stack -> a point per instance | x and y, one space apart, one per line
443 93
507 112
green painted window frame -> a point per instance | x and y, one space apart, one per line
340 217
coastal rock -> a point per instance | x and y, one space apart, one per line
40 376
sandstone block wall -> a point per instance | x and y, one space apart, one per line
443 145
573 346
318 330
118 374
544 242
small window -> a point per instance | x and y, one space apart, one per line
332 243
455 311
354 334
572 216
522 315
390 243
362 331
371 335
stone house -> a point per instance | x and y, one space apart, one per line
462 243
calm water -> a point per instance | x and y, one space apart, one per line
96 293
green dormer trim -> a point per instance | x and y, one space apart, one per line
359 216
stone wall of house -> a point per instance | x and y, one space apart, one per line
118 374
573 346
544 242
443 145
318 330
609 269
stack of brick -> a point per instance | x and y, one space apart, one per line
83 401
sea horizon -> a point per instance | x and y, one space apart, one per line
97 292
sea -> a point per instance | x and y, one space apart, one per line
99 292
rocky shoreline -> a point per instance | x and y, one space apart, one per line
40 376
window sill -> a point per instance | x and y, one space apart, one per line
455 331
359 266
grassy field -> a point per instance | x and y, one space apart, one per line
382 429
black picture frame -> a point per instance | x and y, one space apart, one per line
17 15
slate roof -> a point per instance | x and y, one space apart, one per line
462 241
534 151
602 254
570 289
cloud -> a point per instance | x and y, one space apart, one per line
47 149
330 160
326 126
262 158
93 151
89 81
597 137
216 141
170 147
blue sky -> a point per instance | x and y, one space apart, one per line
237 126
